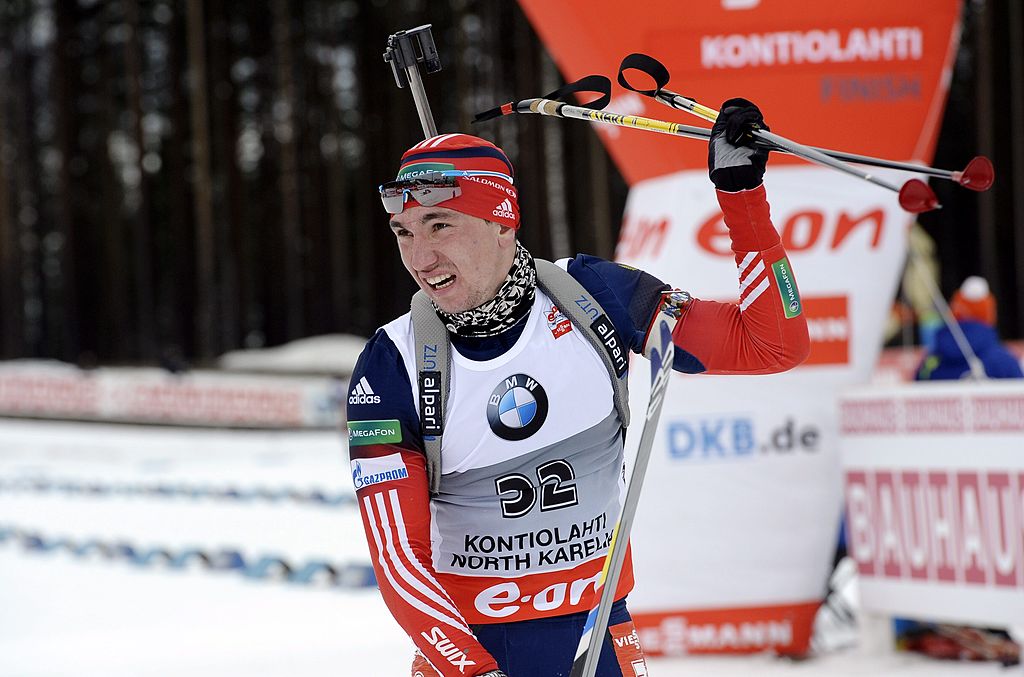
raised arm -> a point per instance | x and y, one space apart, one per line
764 331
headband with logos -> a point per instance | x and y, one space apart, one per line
488 194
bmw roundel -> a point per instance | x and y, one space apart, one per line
517 408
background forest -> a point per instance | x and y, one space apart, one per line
179 178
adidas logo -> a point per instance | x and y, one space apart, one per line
504 210
363 393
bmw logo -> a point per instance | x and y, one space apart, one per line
517 408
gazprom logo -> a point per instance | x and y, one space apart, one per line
367 472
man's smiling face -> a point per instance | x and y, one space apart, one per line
459 260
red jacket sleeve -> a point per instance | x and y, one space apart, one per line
765 331
391 487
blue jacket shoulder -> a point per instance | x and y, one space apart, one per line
380 389
630 297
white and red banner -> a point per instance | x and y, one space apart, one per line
737 527
42 389
934 479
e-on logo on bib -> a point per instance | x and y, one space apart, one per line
517 407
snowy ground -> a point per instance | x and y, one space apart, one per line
95 616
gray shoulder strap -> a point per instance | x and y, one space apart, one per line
433 369
586 313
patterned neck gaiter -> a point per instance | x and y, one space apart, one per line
512 302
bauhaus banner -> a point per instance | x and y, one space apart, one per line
936 532
741 506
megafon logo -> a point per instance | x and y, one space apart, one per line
804 230
828 323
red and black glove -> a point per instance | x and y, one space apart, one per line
734 162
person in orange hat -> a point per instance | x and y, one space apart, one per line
488 518
974 308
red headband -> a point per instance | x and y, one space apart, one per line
489 197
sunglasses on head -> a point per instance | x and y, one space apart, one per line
428 188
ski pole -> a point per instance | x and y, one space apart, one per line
914 196
554 105
588 651
559 109
978 175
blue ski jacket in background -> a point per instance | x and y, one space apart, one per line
946 362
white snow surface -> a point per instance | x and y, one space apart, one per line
90 617
327 354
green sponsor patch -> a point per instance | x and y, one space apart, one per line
374 432
787 287
417 168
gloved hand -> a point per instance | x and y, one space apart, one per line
494 673
733 162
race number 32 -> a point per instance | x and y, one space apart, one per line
554 484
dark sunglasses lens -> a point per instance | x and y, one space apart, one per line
393 203
394 195
428 197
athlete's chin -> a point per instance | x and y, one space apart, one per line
448 302
456 298
448 308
